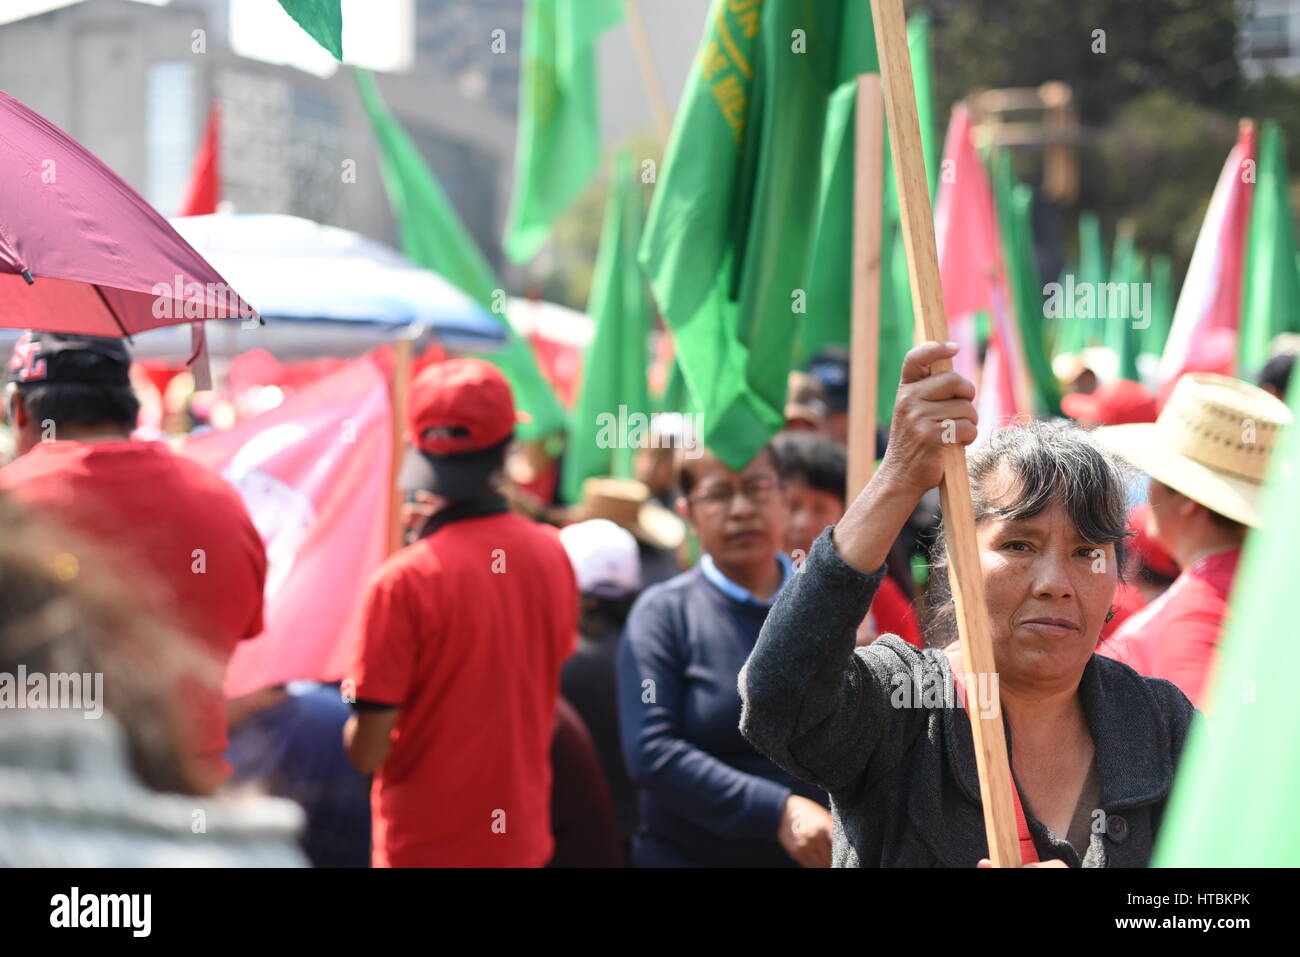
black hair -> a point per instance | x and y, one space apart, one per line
1277 373
816 460
686 474
599 615
96 396
1051 461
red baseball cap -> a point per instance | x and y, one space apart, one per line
460 417
1120 402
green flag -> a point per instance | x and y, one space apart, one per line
322 19
730 232
1270 302
434 237
1162 307
558 144
1127 268
830 283
614 370
1014 204
1075 332
1234 797
675 396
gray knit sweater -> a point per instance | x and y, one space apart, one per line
902 780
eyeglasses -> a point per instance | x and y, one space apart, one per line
757 488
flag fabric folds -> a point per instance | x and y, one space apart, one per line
1208 316
1270 302
1015 203
731 229
1233 802
204 190
558 147
314 475
434 237
614 381
321 19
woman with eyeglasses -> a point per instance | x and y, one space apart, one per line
708 798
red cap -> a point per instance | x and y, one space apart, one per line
1121 402
459 406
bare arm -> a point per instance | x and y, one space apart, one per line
367 738
929 410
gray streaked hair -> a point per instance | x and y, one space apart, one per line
1051 461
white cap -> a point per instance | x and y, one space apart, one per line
605 557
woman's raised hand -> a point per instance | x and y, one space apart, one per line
932 412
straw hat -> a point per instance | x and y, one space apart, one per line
1212 442
627 503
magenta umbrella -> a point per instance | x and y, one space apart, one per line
82 252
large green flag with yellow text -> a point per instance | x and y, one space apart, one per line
558 145
1234 797
830 283
434 237
614 388
730 232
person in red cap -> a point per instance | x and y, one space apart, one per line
178 530
464 631
1120 402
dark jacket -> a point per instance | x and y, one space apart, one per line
902 780
708 799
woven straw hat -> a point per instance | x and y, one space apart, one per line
1212 442
628 504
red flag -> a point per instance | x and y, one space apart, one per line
974 277
205 180
1204 332
314 475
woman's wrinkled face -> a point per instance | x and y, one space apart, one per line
1048 593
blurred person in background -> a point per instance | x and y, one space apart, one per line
607 566
1207 456
288 742
805 402
1275 377
814 469
629 504
582 811
180 530
830 367
708 798
464 631
121 790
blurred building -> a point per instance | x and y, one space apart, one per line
133 82
1270 38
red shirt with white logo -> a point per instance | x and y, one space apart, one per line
465 631
177 533
1175 637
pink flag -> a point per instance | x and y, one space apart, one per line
1202 337
314 474
974 278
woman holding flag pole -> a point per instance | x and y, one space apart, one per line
886 729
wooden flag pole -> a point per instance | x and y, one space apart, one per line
400 387
864 343
958 515
649 75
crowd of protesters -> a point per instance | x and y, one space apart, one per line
690 668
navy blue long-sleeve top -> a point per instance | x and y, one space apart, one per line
708 797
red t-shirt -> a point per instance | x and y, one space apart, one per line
465 631
177 532
1176 635
892 614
